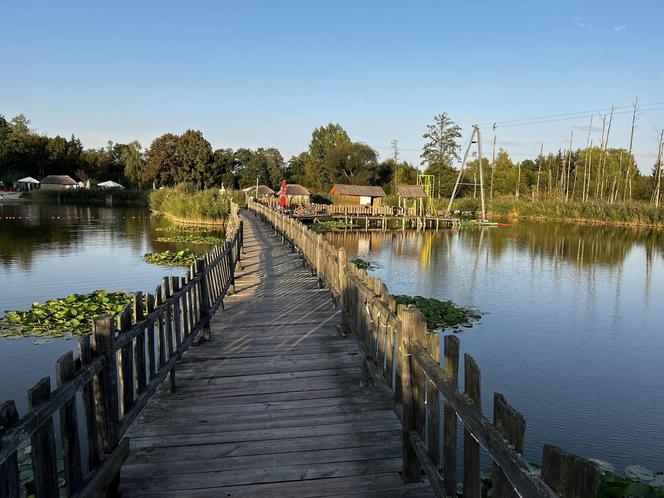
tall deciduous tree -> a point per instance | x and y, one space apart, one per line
133 163
441 148
162 162
195 156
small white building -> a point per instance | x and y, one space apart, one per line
109 184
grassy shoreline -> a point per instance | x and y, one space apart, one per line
632 214
204 207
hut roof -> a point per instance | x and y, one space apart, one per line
410 191
358 190
27 179
59 180
262 190
296 189
110 184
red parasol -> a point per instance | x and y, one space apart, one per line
282 195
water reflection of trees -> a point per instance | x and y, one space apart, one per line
69 227
583 245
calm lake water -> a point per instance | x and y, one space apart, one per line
572 330
51 251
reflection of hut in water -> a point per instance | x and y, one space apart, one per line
363 247
411 196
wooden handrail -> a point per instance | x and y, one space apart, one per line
406 357
184 307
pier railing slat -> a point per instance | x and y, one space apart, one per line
118 370
406 359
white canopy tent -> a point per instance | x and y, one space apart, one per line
27 183
109 184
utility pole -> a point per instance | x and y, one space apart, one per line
630 162
604 153
493 161
474 138
569 165
395 157
658 170
539 168
585 165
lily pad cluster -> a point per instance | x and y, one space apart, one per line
182 229
58 317
191 239
365 265
440 314
184 258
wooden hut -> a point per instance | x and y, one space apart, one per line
363 195
297 194
58 182
411 196
264 192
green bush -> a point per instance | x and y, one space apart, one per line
198 206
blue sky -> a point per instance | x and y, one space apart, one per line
265 73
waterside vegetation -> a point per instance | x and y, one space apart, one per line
58 317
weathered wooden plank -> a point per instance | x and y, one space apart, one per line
471 448
88 398
569 475
451 349
71 451
105 384
126 364
512 426
138 311
9 476
42 442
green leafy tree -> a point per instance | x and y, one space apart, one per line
441 148
223 166
162 160
134 164
195 156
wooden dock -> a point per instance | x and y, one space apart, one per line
274 405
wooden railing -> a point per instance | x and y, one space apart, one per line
117 370
403 359
346 209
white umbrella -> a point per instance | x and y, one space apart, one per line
109 184
28 179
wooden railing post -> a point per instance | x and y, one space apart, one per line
106 384
569 475
450 417
71 450
126 365
42 441
411 466
471 448
9 476
512 426
204 303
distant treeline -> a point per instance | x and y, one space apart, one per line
597 173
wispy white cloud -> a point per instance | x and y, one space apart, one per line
583 23
622 27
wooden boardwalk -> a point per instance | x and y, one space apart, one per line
273 405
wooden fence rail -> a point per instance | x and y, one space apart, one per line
403 359
116 372
347 209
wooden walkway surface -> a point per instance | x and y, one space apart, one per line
274 405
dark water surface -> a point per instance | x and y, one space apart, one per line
573 325
51 251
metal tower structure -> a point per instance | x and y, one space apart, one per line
474 139
427 183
